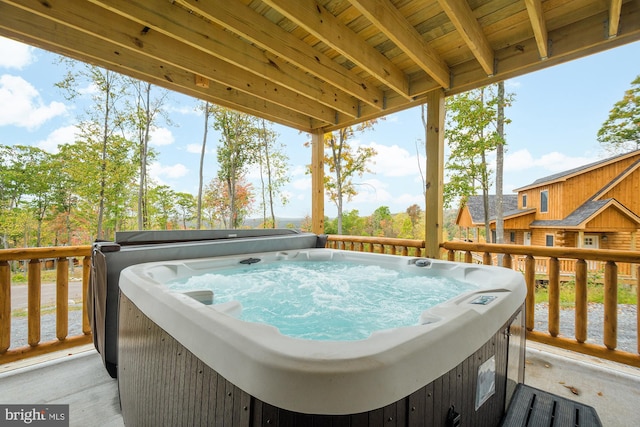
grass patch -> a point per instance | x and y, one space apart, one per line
46 276
595 294
51 309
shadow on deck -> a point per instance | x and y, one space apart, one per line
81 381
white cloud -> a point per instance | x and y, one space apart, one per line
161 137
63 135
194 148
394 161
21 105
15 55
161 173
302 183
551 162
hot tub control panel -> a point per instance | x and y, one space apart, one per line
484 299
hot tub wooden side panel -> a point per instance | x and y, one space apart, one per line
163 383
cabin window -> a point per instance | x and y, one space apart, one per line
512 236
549 239
524 200
544 201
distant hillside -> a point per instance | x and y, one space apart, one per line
280 222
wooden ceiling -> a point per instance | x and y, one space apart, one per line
321 64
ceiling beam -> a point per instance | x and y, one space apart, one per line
36 30
126 34
461 15
388 19
177 22
614 17
325 27
244 21
536 16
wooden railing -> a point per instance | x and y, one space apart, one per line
553 258
34 256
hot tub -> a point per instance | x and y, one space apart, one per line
185 361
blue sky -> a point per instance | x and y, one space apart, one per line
555 118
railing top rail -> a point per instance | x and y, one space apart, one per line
19 254
413 243
547 251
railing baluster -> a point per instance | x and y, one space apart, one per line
468 257
62 298
581 319
611 305
34 291
507 261
554 296
86 273
486 258
530 302
5 306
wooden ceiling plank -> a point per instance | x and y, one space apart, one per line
134 36
177 22
461 15
397 28
244 21
536 16
322 24
614 17
38 31
570 42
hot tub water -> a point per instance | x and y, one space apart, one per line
322 300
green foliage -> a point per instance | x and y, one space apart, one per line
238 149
621 131
471 133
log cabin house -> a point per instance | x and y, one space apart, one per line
593 206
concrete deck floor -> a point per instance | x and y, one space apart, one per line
80 380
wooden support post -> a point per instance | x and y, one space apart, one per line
34 287
317 182
434 136
62 298
5 306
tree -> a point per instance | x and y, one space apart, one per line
207 110
185 207
217 202
345 163
273 164
103 118
161 207
142 117
238 149
472 135
500 166
381 223
621 131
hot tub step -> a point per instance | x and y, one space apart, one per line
531 407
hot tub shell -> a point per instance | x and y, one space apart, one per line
198 365
134 247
